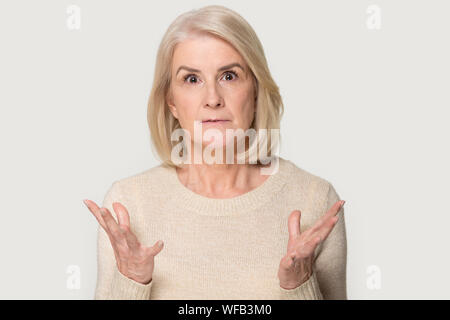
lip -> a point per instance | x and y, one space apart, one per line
215 121
216 124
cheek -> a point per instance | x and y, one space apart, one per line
186 118
186 104
242 106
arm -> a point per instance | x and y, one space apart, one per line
111 283
331 259
329 264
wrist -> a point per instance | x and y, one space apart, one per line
288 285
146 282
141 280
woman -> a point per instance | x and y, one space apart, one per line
229 231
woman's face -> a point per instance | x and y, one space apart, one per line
210 80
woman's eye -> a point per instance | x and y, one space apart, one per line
190 76
231 74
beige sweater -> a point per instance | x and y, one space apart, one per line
223 248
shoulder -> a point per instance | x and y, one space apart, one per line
153 180
300 177
309 187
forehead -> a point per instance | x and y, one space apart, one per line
204 52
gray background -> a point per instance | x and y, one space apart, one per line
365 109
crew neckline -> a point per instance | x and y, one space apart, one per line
192 201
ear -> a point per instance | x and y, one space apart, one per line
255 87
173 110
256 103
172 107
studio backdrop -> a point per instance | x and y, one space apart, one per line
365 85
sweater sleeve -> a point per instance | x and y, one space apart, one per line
331 259
111 283
328 280
308 290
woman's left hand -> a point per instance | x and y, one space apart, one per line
296 266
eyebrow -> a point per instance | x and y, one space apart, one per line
228 66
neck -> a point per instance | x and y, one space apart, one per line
220 180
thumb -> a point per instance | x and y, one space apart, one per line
157 247
294 224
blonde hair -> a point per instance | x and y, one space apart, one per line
228 25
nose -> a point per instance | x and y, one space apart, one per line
213 97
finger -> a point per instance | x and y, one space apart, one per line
123 218
95 210
287 261
306 249
294 224
156 248
112 225
108 233
132 240
330 213
122 215
93 207
326 228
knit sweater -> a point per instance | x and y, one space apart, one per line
222 248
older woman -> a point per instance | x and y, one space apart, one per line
225 229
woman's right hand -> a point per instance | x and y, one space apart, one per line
133 259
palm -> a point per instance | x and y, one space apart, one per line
296 265
132 258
